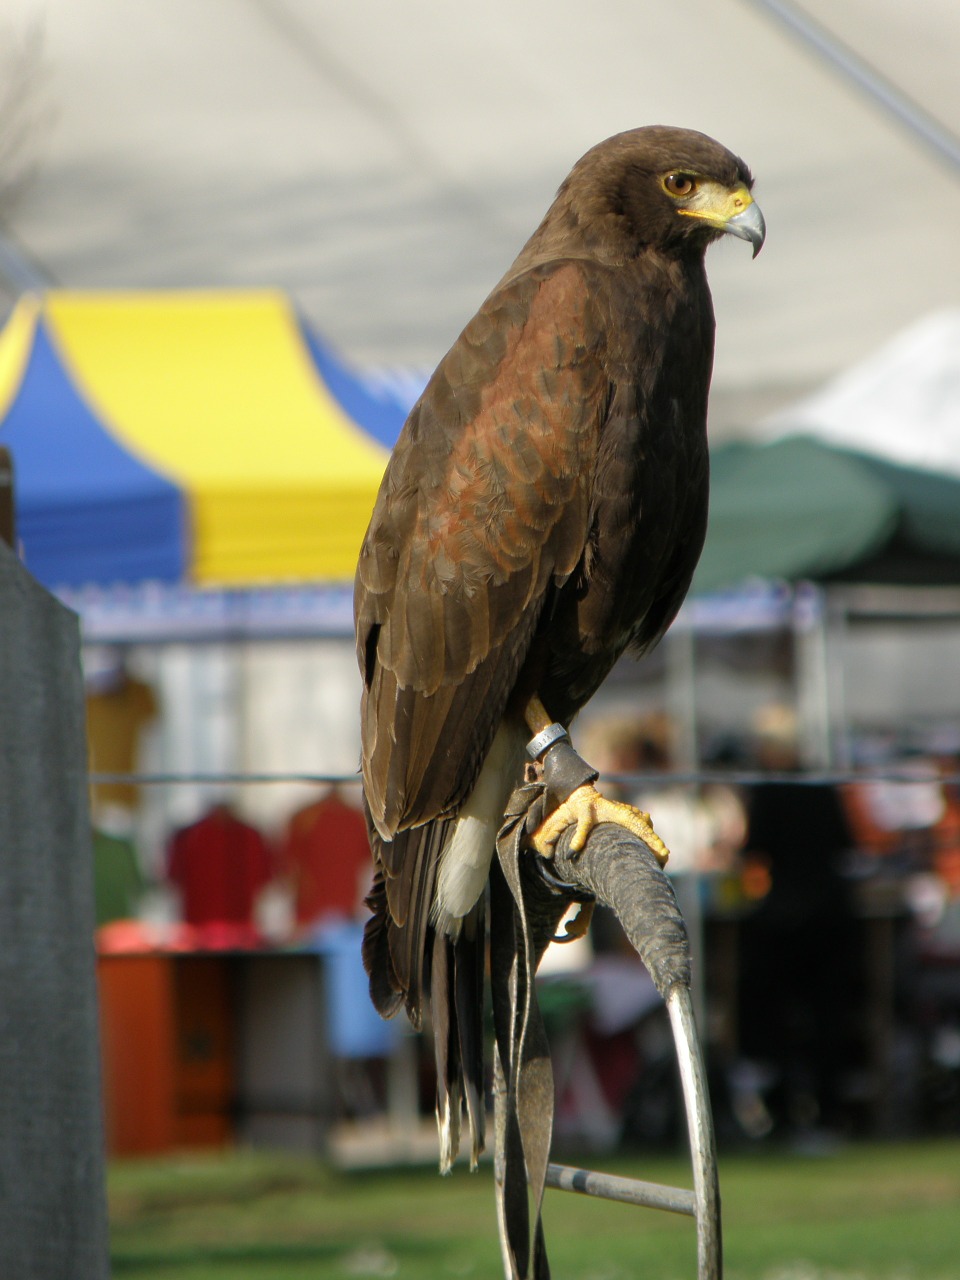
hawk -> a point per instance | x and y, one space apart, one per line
543 511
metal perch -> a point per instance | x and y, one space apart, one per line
617 869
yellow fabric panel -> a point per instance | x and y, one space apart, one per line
16 343
218 392
305 534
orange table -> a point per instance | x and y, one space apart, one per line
202 1048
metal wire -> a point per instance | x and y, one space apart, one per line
692 777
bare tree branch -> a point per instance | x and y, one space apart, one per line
25 115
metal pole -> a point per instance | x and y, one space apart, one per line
607 1186
682 706
17 269
8 519
852 67
703 1152
809 624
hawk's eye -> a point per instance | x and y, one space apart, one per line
680 184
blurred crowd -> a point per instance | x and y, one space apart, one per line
829 914
828 917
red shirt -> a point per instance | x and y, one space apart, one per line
220 864
327 856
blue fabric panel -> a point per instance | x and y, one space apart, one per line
379 416
87 511
354 1027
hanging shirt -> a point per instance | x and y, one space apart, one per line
116 719
219 864
326 854
117 880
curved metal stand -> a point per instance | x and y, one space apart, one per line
703 1149
703 1202
618 869
623 873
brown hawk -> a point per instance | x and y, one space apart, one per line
543 510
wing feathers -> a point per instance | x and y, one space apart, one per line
483 511
484 508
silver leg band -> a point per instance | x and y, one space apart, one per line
545 739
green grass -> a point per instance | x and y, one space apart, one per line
865 1213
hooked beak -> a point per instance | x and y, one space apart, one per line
748 225
728 210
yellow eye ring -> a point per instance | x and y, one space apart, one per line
679 185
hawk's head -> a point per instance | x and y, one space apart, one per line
671 188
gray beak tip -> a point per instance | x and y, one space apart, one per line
749 225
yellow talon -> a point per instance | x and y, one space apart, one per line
587 808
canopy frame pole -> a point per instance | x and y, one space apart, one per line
856 70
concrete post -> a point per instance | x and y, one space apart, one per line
53 1221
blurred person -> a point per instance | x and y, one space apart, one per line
933 897
704 825
798 958
894 817
946 832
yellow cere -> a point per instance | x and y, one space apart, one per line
716 203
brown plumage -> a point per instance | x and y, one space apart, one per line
544 508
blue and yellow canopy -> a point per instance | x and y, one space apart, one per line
200 437
209 439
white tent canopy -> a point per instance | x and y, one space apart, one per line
901 404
